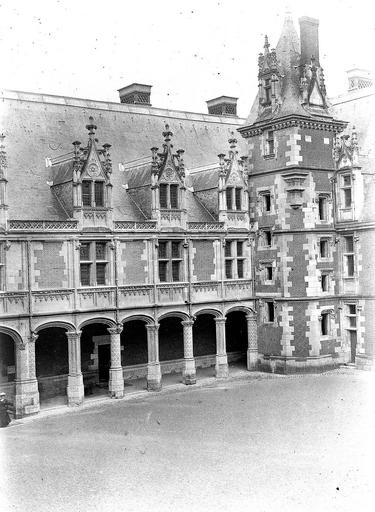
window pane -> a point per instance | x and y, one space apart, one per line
100 273
85 274
162 250
99 193
322 208
347 197
238 198
239 248
324 282
240 268
270 312
100 250
267 202
267 238
228 269
163 265
174 196
86 193
84 252
229 193
324 324
352 310
352 321
350 265
163 196
349 244
323 248
347 181
175 271
228 249
269 273
176 249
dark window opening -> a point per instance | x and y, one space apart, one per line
270 312
269 273
324 324
323 248
267 238
270 143
174 196
238 198
267 202
229 196
323 203
99 193
163 195
86 193
324 282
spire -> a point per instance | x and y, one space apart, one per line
266 45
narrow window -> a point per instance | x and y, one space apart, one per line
346 189
229 196
238 198
173 190
266 201
228 269
270 312
267 90
324 282
323 205
267 238
270 146
175 271
240 260
99 193
163 271
163 195
269 272
324 324
85 274
86 193
323 248
349 256
228 260
351 314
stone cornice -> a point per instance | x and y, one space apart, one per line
292 121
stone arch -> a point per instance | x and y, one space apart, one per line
173 314
143 318
245 309
55 323
207 311
15 335
97 320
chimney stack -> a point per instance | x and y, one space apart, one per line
136 94
309 36
222 106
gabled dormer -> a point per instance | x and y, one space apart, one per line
168 184
269 77
233 188
348 180
82 182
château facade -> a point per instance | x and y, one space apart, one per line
168 241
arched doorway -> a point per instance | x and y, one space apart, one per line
95 356
236 336
51 362
171 339
204 342
7 363
134 343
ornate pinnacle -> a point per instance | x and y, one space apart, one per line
266 44
167 134
3 157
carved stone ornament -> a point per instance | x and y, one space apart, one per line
93 170
169 174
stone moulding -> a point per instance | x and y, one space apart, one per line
206 226
331 126
121 225
43 225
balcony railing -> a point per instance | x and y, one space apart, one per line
125 225
43 225
205 226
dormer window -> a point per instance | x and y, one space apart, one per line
168 196
234 198
346 191
93 193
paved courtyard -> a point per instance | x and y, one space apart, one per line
268 443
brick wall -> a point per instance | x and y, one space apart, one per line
133 264
203 268
50 265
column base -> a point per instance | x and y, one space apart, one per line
116 383
153 377
75 390
26 398
221 367
252 359
189 376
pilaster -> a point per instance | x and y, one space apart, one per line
153 365
116 379
75 390
188 372
27 394
221 366
252 340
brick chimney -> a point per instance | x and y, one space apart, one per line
309 36
223 106
136 94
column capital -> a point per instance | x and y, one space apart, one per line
220 320
73 335
251 317
115 330
187 323
152 327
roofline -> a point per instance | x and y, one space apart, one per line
349 96
117 107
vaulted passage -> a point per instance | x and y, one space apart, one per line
236 333
95 356
204 335
51 362
7 359
171 343
134 343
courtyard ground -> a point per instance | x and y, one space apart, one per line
265 443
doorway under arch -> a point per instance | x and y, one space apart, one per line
236 336
134 343
7 363
95 356
171 339
204 335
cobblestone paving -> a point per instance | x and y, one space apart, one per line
282 443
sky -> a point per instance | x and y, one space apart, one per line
189 51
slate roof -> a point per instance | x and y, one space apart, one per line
44 126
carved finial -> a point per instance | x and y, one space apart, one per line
232 141
266 44
91 127
3 156
76 145
354 138
180 159
167 134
